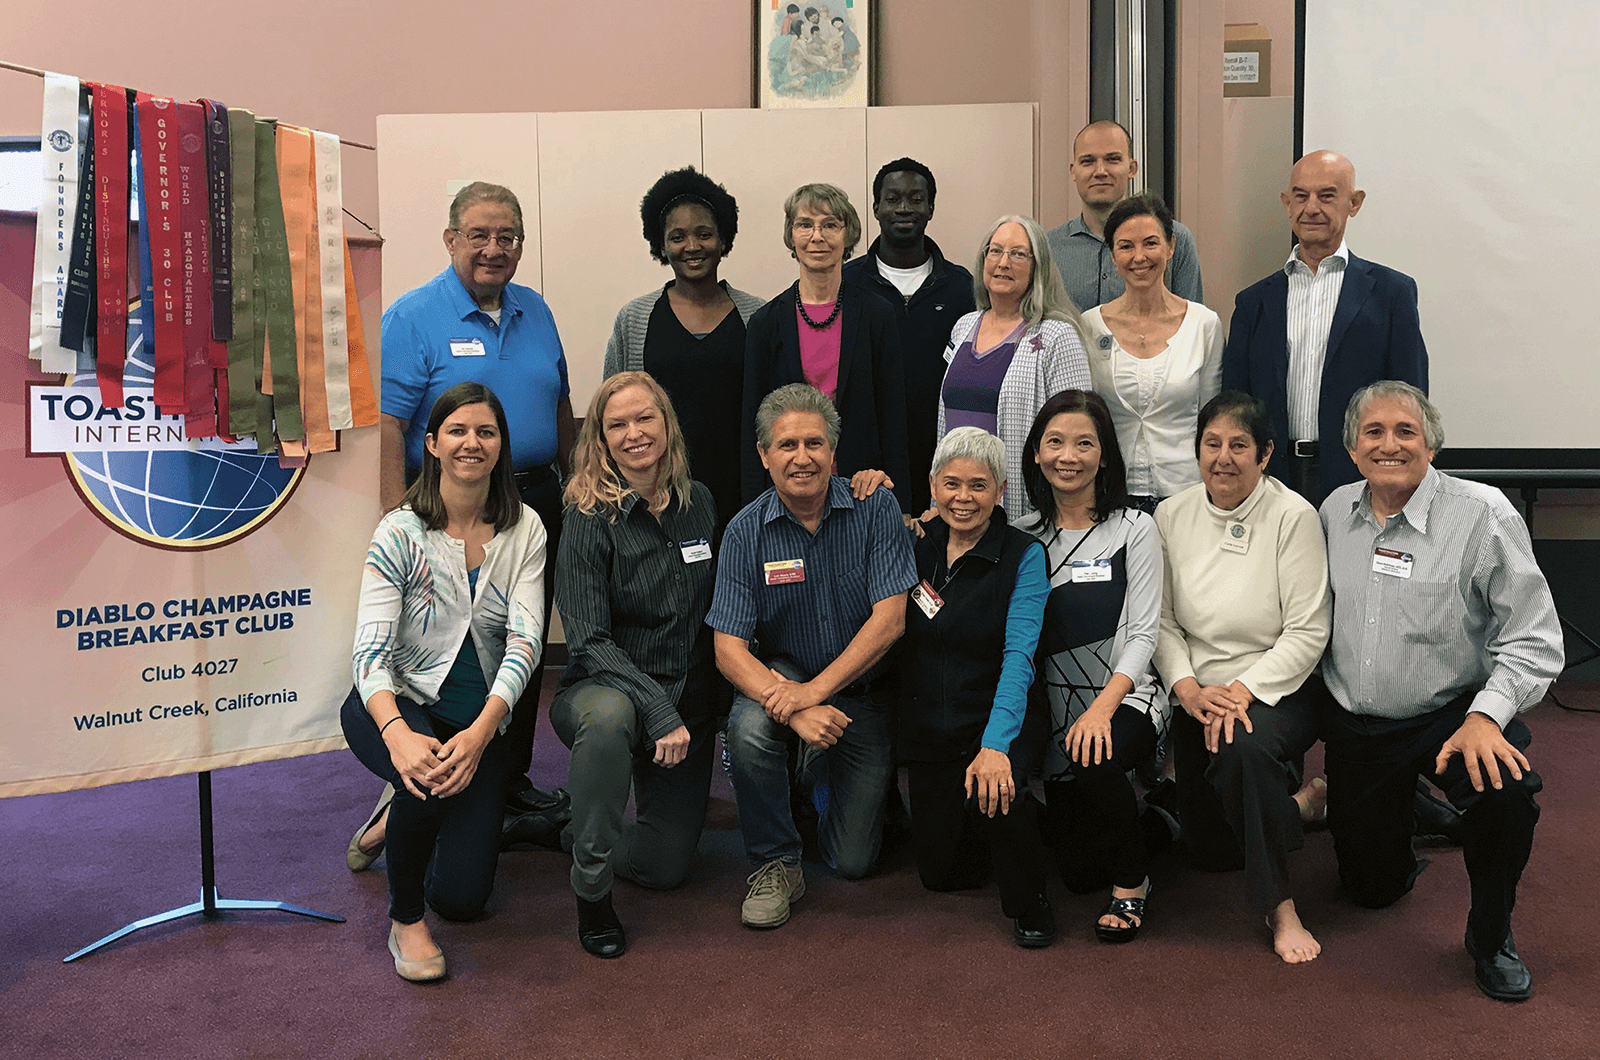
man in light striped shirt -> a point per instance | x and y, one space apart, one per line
1309 335
1443 632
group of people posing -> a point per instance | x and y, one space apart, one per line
1018 541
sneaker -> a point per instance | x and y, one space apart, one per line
773 887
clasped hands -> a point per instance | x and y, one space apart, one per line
428 767
1218 707
799 706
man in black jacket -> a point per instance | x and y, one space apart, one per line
929 294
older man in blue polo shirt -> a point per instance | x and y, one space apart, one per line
471 322
818 580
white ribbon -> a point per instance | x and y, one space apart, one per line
53 237
330 244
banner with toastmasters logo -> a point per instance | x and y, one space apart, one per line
172 604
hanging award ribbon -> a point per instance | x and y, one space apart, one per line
363 402
280 371
159 217
330 252
199 378
77 313
244 360
300 223
53 234
110 239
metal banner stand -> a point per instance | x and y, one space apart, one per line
210 905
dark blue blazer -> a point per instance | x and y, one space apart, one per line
1375 335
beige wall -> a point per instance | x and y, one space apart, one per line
415 56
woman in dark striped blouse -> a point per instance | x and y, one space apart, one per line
638 701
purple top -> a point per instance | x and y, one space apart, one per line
972 382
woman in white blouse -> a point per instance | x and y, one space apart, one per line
1155 357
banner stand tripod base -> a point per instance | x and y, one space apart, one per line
210 904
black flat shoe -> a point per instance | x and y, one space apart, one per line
1124 909
1035 929
1501 974
599 930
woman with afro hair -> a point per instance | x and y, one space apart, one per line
690 335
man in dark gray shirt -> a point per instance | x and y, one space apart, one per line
1102 166
1443 632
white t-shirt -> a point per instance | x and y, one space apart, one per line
907 281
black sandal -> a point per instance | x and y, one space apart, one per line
1124 909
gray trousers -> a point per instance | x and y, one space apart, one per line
610 753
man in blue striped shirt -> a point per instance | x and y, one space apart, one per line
817 579
1444 631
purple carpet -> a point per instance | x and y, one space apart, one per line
879 968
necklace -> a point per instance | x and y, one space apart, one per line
838 303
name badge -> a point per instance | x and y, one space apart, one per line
467 348
950 351
784 571
1236 538
1394 564
696 551
1091 570
924 597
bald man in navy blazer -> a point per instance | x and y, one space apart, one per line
1328 323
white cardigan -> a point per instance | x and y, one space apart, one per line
1049 359
1193 377
416 607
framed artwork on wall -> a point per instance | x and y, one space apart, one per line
811 54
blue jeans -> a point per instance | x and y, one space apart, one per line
849 780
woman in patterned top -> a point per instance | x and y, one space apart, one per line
1108 712
447 635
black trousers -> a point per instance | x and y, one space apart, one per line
1372 766
955 844
1238 805
442 852
1092 819
540 490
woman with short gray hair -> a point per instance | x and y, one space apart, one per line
966 661
834 335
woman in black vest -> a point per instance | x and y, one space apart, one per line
966 661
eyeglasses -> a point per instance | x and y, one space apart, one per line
830 228
1014 254
478 240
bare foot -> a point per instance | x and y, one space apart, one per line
1111 921
1289 937
415 941
372 838
1312 800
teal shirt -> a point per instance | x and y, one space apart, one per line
465 689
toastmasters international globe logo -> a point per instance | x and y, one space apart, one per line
135 470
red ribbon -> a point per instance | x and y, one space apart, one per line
158 142
111 238
199 378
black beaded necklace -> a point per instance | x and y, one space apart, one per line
838 304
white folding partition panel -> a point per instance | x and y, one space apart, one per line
597 165
580 177
982 158
761 156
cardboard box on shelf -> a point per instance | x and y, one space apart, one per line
1246 60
